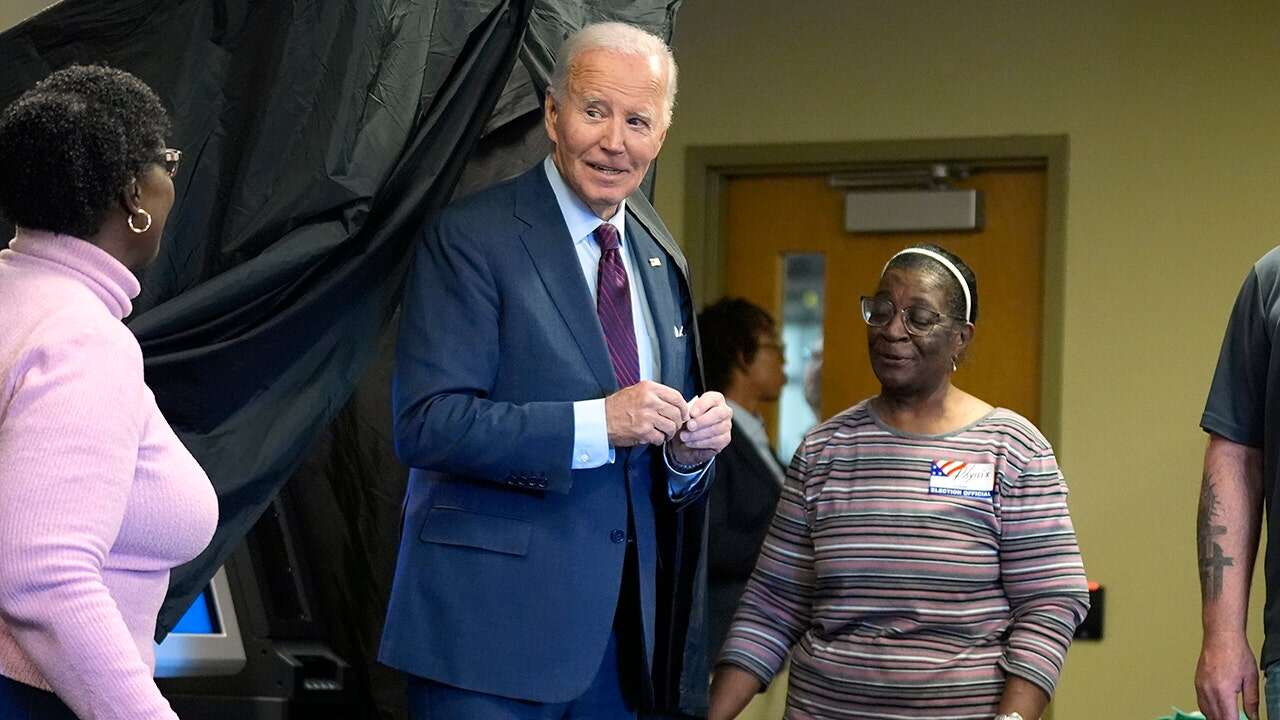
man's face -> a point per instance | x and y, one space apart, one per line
766 372
609 127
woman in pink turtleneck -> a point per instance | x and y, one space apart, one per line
98 497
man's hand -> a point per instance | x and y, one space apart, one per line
644 413
705 433
1227 669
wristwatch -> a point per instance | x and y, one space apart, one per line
684 469
1008 716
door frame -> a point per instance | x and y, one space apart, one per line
709 167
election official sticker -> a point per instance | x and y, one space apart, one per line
961 479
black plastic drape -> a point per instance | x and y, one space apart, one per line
319 137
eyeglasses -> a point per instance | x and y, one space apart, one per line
169 159
878 312
782 349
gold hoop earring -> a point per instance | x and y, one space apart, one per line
144 228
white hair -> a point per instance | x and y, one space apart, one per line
614 37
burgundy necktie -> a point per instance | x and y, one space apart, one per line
613 304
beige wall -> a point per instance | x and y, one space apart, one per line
1172 111
13 12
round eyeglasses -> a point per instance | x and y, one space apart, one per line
878 312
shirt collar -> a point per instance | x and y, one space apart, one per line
750 425
577 216
752 428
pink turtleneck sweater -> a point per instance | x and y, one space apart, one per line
98 497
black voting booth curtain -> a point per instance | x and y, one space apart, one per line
318 139
319 136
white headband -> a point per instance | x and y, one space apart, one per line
968 303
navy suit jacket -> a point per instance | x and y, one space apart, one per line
510 562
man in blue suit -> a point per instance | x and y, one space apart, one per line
548 397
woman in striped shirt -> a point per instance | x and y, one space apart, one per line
921 562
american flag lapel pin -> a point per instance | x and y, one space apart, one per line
655 262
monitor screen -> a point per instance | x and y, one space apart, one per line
206 640
199 618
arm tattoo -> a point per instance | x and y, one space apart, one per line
1212 561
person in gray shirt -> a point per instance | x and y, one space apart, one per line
1242 417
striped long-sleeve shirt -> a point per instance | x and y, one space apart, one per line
910 573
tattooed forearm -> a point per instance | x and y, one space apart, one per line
1212 561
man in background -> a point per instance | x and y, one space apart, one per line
744 360
1241 471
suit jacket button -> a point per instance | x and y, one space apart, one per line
617 536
